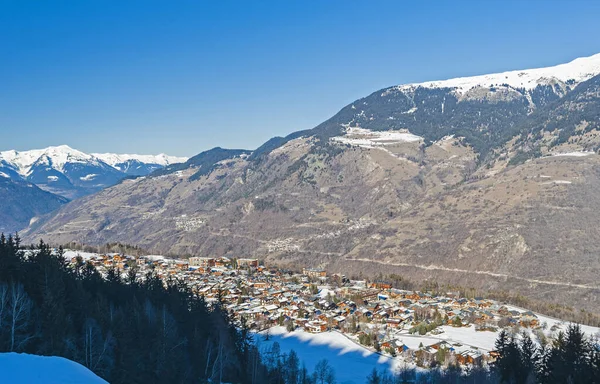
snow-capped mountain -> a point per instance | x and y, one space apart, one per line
138 165
71 173
571 74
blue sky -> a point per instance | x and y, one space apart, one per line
183 76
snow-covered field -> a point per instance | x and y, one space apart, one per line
21 368
84 255
352 362
372 139
572 154
558 324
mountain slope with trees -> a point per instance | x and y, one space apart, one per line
492 186
132 330
20 201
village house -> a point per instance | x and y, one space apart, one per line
201 262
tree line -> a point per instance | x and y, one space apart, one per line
133 329
142 329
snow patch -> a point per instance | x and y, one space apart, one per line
52 178
573 154
84 255
91 176
351 362
2 174
113 159
368 139
22 368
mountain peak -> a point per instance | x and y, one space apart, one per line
572 73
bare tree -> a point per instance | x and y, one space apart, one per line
19 316
98 349
4 309
324 372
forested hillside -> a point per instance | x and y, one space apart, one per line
132 331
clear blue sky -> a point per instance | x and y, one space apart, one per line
184 76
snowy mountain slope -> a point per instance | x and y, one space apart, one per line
572 73
161 159
138 165
20 201
486 111
21 368
54 157
72 173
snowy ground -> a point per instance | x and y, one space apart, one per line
372 139
560 325
85 255
21 368
466 336
352 362
572 154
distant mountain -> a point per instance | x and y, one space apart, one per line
20 201
71 173
138 165
488 181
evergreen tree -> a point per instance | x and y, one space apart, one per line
373 377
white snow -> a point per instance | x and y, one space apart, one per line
58 156
351 362
91 176
21 368
483 340
52 178
113 159
578 70
22 161
2 174
573 154
559 324
323 293
154 257
68 254
368 139
558 182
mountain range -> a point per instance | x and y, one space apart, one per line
487 181
33 183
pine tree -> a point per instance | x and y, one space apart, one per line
373 377
529 358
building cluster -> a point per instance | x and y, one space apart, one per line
374 314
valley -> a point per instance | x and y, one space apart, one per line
445 181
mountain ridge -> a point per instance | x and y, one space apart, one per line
71 173
462 185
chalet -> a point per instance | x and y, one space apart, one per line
201 261
251 263
222 262
470 356
316 326
380 285
338 320
315 273
393 322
